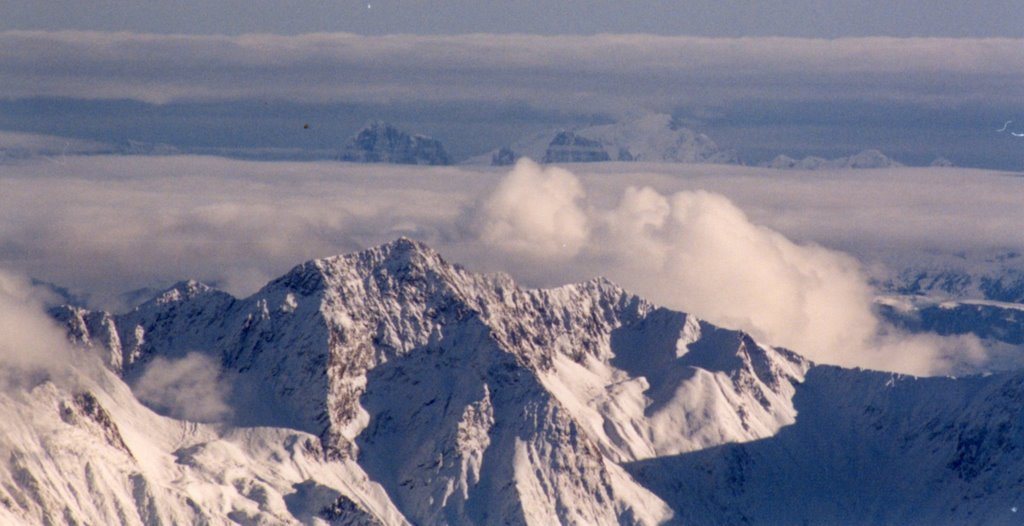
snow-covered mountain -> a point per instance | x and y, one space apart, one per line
996 275
863 160
392 387
646 138
380 142
571 147
999 326
867 448
980 293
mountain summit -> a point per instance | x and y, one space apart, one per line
392 387
644 138
380 142
867 159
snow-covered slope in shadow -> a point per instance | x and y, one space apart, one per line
390 386
866 448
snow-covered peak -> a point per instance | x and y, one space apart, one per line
656 137
400 256
182 291
390 386
866 159
380 142
360 350
869 159
653 137
403 255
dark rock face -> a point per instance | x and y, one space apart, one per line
567 147
380 142
85 410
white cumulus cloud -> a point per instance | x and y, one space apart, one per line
698 252
535 211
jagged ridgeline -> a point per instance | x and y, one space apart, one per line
646 137
380 142
392 387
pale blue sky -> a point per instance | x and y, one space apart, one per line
802 18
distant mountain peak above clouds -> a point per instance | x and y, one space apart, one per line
866 159
572 147
381 142
644 137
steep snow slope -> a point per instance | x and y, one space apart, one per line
446 385
867 448
390 385
84 451
362 350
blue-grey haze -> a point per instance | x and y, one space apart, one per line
731 18
757 130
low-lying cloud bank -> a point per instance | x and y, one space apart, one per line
603 71
697 252
744 247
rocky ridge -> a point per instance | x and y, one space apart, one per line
643 138
380 142
392 387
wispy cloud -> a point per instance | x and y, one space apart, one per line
33 346
186 387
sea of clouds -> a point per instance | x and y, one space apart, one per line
783 255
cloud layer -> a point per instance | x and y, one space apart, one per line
745 247
535 212
603 71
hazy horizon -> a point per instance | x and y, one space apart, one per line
915 99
